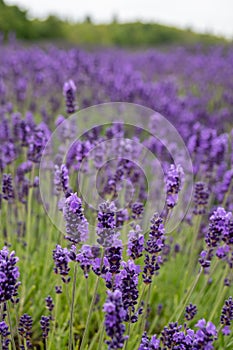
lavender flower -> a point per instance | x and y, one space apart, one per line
85 258
190 312
147 344
137 210
114 256
36 146
154 246
9 275
7 187
25 330
218 227
69 90
135 242
127 282
61 179
76 223
114 317
49 304
4 332
201 196
106 224
227 316
61 257
45 326
205 335
174 178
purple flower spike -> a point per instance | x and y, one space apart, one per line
45 326
227 315
7 187
154 246
61 258
85 259
106 228
147 344
201 197
114 318
135 242
61 179
174 179
76 223
128 284
9 275
190 312
4 332
25 329
69 90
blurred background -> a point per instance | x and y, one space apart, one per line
121 23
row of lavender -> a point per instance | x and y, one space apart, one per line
193 89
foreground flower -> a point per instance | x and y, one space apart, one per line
106 227
227 316
4 333
7 187
201 197
25 330
61 179
69 90
114 317
76 223
147 344
61 258
9 275
135 242
173 182
154 246
128 284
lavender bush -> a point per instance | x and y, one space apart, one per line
129 288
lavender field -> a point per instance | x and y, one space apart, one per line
143 260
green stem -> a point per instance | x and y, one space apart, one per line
72 307
184 301
128 331
27 238
220 296
54 323
85 334
101 338
11 327
146 307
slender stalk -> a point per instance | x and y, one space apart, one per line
128 330
27 238
192 247
11 327
146 307
91 308
189 294
186 298
101 338
85 334
220 296
72 307
54 323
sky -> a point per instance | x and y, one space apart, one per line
213 16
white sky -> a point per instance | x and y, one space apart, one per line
202 15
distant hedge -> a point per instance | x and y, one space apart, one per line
13 19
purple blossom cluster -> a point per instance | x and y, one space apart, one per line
114 317
154 246
76 223
219 238
9 276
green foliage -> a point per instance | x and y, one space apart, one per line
13 19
